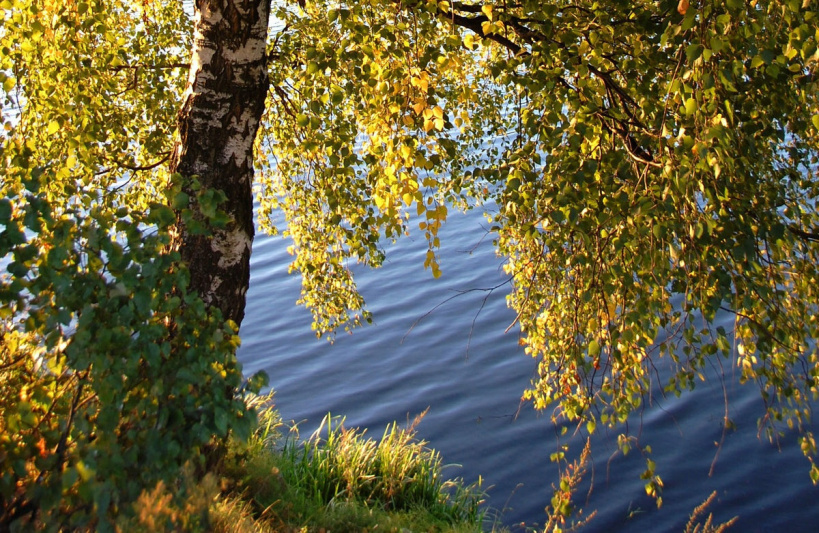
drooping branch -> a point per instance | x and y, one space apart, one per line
523 30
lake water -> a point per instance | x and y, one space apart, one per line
458 361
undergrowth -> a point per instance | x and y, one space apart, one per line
338 480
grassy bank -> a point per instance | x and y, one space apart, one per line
341 480
338 480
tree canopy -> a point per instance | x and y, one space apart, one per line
652 166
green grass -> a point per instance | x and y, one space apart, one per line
339 480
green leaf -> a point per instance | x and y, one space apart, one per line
658 231
161 215
594 348
220 420
693 51
690 106
5 210
181 200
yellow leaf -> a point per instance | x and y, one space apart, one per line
469 41
421 81
53 126
409 182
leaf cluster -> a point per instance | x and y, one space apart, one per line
651 167
366 129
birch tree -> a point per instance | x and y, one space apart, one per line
652 165
221 111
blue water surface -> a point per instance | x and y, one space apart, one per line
457 360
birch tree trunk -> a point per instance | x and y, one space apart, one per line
217 125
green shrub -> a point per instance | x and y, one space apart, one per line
112 376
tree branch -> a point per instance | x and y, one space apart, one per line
170 66
149 166
476 25
806 235
474 22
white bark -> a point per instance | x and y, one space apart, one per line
223 105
